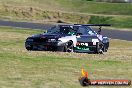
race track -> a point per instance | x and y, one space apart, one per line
114 34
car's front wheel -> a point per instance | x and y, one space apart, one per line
29 48
99 48
70 46
67 47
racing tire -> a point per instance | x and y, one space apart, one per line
67 47
70 46
106 46
98 48
29 48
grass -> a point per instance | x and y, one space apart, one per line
118 21
97 7
76 6
68 11
38 69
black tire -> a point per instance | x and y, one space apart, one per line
67 47
99 48
29 48
105 47
70 46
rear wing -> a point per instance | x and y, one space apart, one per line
100 26
94 24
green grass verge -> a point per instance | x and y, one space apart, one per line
36 14
38 69
84 6
115 21
71 11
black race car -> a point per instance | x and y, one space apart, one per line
70 38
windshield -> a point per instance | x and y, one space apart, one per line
66 30
71 30
90 31
53 30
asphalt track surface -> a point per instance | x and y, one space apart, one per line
114 34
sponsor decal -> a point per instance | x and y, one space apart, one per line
82 46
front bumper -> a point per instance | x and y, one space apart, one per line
47 46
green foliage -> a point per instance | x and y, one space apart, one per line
84 6
100 20
121 22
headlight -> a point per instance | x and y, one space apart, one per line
51 40
29 40
59 42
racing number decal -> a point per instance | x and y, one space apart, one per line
82 44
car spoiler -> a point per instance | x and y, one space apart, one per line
100 26
94 24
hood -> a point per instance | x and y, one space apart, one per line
47 36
